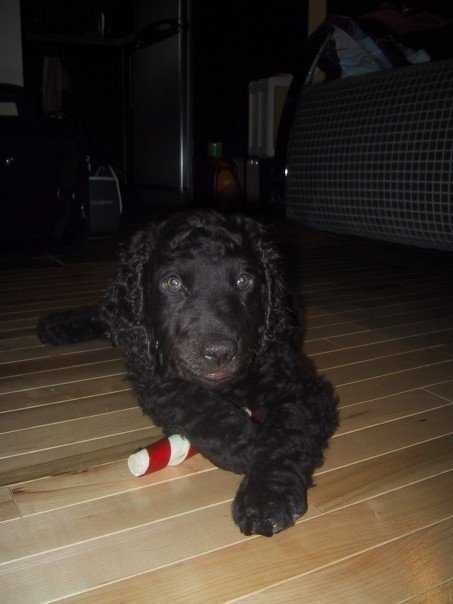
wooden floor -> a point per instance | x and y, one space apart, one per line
75 526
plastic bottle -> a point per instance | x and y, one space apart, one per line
225 187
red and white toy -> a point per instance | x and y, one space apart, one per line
169 451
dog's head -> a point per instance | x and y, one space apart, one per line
200 294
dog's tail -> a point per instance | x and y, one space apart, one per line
68 327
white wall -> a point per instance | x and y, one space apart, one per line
11 71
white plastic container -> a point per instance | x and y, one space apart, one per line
266 100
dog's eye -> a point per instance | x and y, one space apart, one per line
244 281
171 283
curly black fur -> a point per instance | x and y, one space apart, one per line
200 307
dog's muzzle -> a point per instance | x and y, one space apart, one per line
218 358
212 359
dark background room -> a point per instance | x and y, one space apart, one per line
140 86
122 99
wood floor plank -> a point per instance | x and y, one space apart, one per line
370 282
42 351
371 413
331 358
48 294
370 477
8 507
53 492
76 456
315 318
33 440
387 365
34 312
370 442
46 284
65 279
373 335
331 282
395 383
10 324
60 376
317 346
442 594
59 361
23 341
59 282
343 298
383 307
358 325
424 557
38 309
36 350
53 298
54 413
18 333
444 390
345 282
60 393
231 565
81 269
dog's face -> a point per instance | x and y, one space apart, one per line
206 297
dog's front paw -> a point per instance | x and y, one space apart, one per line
265 508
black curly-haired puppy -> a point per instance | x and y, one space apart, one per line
200 308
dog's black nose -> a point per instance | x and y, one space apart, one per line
220 352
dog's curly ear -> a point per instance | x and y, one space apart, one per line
123 309
280 318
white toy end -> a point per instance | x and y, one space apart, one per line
138 463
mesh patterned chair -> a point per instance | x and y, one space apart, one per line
373 156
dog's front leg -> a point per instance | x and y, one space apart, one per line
215 427
289 447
